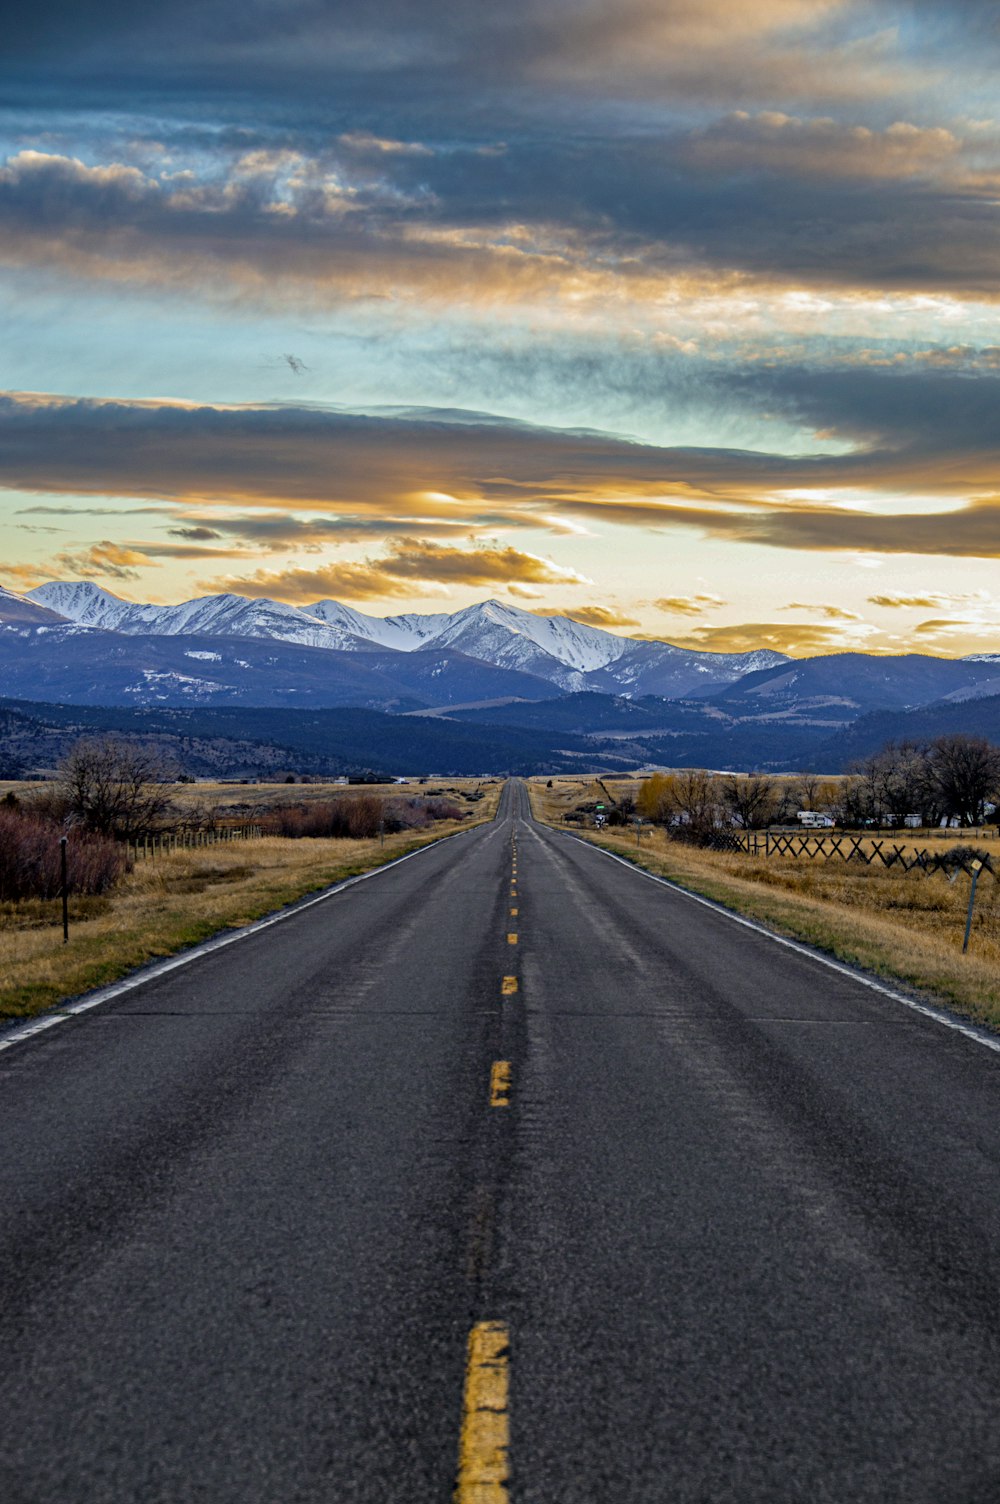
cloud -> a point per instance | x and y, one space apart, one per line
25 576
414 472
973 532
446 63
941 626
797 639
687 605
773 142
410 566
103 561
280 532
300 587
929 601
195 534
832 613
766 199
606 617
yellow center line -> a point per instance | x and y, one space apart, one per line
500 1084
512 938
508 986
513 913
484 1442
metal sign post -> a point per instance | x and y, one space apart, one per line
977 867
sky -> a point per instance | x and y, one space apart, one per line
679 317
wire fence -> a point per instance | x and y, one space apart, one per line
151 847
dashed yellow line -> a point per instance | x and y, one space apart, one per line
513 913
508 986
484 1442
511 938
500 1084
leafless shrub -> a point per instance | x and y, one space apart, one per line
30 859
357 816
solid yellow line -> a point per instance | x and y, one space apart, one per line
512 939
500 1084
508 986
484 1442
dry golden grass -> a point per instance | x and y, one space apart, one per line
242 803
899 925
177 900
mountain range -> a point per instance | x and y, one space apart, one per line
161 654
542 691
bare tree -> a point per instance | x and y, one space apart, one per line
898 780
115 787
850 805
752 799
966 773
696 800
807 786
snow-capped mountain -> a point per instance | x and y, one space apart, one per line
208 615
565 652
402 633
556 649
16 611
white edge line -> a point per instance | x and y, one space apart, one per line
978 1036
105 994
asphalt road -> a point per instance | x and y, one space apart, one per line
331 1216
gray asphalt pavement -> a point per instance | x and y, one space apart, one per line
737 1214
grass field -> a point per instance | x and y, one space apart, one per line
186 896
242 803
899 925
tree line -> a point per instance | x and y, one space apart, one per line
952 778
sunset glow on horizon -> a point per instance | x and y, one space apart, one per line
680 319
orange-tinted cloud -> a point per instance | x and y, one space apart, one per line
687 605
416 473
797 639
832 613
607 617
930 601
105 560
411 565
21 577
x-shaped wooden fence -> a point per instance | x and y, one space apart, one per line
845 847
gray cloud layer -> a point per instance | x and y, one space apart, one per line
398 472
515 145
